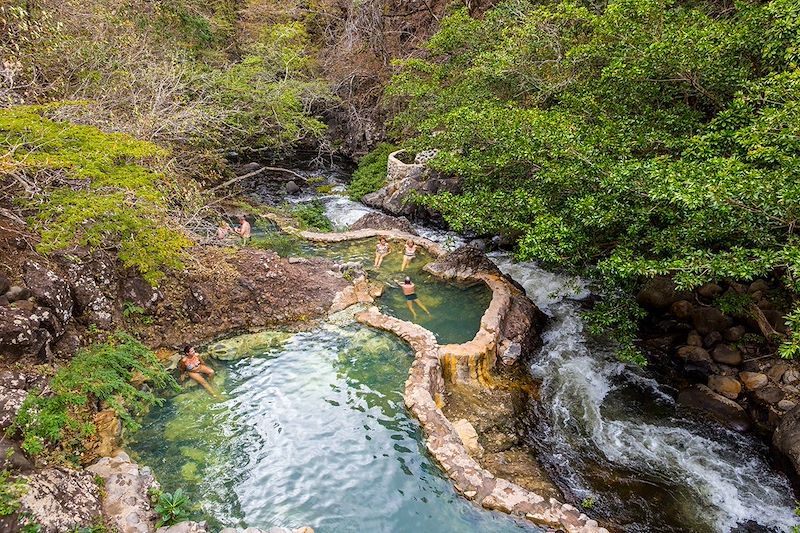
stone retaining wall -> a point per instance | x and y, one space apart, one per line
458 363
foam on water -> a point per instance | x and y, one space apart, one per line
718 478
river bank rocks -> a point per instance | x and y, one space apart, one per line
125 503
405 178
48 304
721 361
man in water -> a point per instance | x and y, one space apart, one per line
409 291
244 229
192 364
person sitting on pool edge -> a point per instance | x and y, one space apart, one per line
381 251
191 363
409 290
409 253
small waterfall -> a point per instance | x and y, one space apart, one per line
600 414
608 431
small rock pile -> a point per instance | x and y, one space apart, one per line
723 356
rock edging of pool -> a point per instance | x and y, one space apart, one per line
467 362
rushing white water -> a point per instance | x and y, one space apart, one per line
719 478
610 419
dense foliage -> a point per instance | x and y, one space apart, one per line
640 138
371 172
92 188
60 418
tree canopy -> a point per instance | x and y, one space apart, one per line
629 139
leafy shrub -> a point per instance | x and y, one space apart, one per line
171 508
62 416
312 216
371 172
87 187
10 493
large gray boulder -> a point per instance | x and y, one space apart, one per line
403 179
62 500
786 441
383 221
125 502
462 264
659 293
49 289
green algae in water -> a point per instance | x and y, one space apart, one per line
313 433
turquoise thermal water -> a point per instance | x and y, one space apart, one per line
311 431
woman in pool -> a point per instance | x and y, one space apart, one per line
191 363
409 291
409 253
381 251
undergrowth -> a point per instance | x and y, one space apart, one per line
312 216
371 172
58 419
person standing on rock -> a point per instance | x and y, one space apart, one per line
409 253
381 251
192 364
409 291
243 230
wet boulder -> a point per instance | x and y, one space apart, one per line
724 410
786 441
725 385
61 499
49 289
383 222
753 380
292 187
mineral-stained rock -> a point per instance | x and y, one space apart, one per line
724 410
140 293
49 289
753 380
726 355
468 436
726 386
61 499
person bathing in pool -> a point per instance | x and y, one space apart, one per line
409 290
409 253
192 364
381 251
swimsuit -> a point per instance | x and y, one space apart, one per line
410 253
382 250
192 363
411 297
